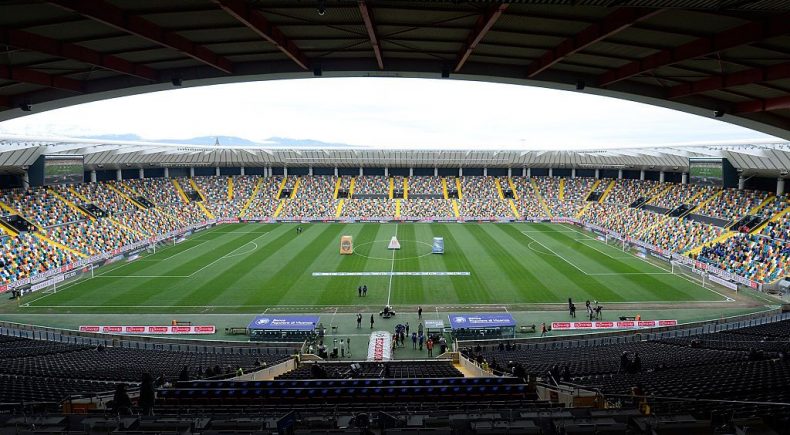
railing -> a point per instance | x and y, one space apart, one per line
609 337
45 333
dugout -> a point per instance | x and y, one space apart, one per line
482 326
283 328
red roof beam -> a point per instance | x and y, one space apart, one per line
749 76
115 17
482 26
766 105
367 17
27 75
52 47
258 23
610 25
737 36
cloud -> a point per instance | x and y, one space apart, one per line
385 112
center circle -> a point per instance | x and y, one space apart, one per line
386 242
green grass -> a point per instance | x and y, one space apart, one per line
249 268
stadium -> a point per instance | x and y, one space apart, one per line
165 287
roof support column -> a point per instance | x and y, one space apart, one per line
527 173
310 171
26 179
642 175
741 182
509 172
335 171
285 171
684 179
551 172
93 176
780 186
167 172
619 174
216 171
191 172
411 172
242 171
597 174
485 172
386 171
460 172
435 171
573 172
661 176
141 173
361 172
118 175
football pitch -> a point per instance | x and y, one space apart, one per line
250 268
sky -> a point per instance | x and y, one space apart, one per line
385 113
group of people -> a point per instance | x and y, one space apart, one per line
362 290
628 365
418 339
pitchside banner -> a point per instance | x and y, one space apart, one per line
284 323
380 346
487 320
622 324
151 330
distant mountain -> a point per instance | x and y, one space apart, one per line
273 142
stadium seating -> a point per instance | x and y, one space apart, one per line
625 191
92 237
47 371
372 185
426 187
680 235
25 256
677 194
480 199
98 194
40 207
313 199
733 204
152 206
427 209
265 202
527 201
369 370
755 257
369 208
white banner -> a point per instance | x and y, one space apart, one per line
725 283
380 346
151 330
621 324
47 283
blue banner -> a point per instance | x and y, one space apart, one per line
489 320
438 245
284 323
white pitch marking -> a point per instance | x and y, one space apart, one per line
226 255
185 250
554 253
392 268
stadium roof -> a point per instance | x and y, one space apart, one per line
699 56
755 158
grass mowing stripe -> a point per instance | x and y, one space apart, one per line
549 269
344 289
669 286
410 289
472 290
281 282
216 277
